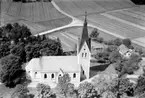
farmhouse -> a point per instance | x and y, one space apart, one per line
124 51
48 69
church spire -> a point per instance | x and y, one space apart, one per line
85 35
85 28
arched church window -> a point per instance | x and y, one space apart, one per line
52 76
85 54
83 72
74 75
45 76
82 54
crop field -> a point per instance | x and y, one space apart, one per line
129 16
129 23
78 7
119 17
38 16
69 37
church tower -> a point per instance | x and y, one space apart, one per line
84 50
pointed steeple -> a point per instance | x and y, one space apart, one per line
85 36
85 28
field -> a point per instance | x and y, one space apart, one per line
38 16
78 7
118 17
115 17
129 23
69 37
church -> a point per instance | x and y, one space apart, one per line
47 69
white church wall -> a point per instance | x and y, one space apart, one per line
84 59
75 80
46 77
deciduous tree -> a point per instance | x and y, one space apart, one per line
10 70
87 90
127 42
44 91
62 86
20 91
140 87
94 34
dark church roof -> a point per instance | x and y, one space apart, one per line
85 36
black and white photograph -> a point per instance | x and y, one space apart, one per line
72 48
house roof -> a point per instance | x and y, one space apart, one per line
54 64
85 36
123 49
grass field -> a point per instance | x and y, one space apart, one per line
38 16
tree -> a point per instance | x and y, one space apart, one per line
94 34
18 50
111 48
102 82
1 31
16 32
4 49
108 94
62 86
8 27
25 32
44 91
117 42
115 56
139 50
135 58
124 87
32 51
127 42
126 67
71 92
11 71
37 47
87 90
60 49
140 87
20 91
